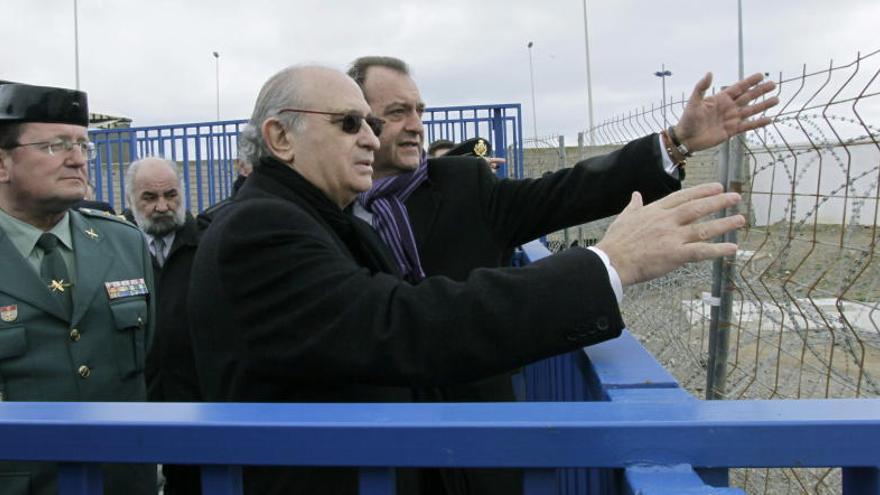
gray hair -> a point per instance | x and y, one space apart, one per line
281 91
132 171
358 69
247 146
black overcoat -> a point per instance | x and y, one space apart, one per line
283 311
464 217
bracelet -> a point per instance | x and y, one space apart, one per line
678 144
677 157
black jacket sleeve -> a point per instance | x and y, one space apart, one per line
519 211
273 290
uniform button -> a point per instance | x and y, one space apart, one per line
602 323
140 322
84 371
74 335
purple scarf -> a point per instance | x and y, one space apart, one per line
391 220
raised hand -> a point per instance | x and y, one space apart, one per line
710 120
645 242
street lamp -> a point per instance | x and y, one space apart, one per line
217 58
532 79
76 42
589 84
663 74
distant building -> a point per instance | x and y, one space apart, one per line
102 121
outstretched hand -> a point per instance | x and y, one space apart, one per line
708 121
494 162
646 242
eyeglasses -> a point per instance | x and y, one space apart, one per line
351 122
53 148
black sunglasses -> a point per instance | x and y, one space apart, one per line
351 122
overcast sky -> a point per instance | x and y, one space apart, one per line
152 60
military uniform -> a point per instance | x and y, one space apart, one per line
76 300
95 354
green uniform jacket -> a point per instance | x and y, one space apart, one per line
97 354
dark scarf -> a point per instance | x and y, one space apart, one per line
391 218
354 233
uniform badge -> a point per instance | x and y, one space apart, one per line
9 313
480 148
91 233
126 288
59 285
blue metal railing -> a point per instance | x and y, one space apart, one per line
209 149
501 125
640 433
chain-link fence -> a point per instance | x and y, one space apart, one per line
797 317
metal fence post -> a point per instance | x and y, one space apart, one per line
730 172
581 151
562 163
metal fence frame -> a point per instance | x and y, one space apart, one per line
207 150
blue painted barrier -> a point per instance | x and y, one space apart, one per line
533 435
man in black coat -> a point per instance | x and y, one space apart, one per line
462 217
294 299
156 195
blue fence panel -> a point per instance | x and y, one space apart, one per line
500 125
208 149
204 151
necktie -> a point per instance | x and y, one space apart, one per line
159 250
53 271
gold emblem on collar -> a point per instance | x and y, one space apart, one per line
59 285
91 233
480 148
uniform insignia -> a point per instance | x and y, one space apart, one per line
58 285
91 233
9 313
480 148
126 288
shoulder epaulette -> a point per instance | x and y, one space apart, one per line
104 215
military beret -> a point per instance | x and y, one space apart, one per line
28 103
440 144
472 147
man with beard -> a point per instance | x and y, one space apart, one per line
156 195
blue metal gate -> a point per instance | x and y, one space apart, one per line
207 151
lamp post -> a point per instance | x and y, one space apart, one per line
76 41
217 59
663 74
532 79
589 83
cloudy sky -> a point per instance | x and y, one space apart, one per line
152 60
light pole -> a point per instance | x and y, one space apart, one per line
589 84
663 74
217 59
532 79
76 42
739 24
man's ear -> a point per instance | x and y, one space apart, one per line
278 140
5 162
